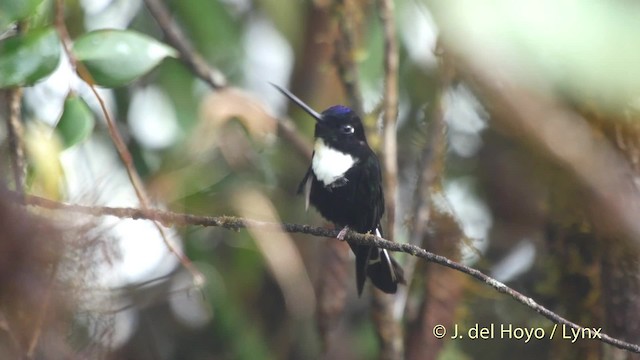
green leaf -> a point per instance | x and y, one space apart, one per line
76 123
25 59
117 57
15 10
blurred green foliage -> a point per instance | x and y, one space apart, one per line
215 157
76 122
115 58
16 10
28 58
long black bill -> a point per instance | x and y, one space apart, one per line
299 102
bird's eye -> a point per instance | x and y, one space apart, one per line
346 129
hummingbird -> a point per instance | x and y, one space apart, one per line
344 183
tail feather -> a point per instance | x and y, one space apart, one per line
385 273
383 270
362 256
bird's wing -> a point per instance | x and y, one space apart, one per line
305 186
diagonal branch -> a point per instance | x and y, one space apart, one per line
235 223
118 142
194 61
211 75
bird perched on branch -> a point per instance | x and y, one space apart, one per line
344 184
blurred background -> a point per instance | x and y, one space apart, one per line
518 155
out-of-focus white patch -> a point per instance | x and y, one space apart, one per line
144 255
473 215
94 6
109 14
466 119
93 171
418 32
95 175
371 91
46 98
152 118
269 58
187 302
516 262
111 328
329 164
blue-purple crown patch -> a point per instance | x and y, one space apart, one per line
337 110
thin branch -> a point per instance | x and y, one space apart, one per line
174 36
344 57
15 137
121 147
390 114
387 326
168 218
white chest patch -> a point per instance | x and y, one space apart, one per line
329 164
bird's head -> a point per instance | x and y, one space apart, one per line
338 126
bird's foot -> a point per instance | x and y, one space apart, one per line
343 233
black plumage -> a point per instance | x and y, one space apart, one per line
344 183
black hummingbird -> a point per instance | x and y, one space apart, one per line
344 184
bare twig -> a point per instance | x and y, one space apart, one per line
387 326
119 143
235 223
390 115
188 55
344 57
15 137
